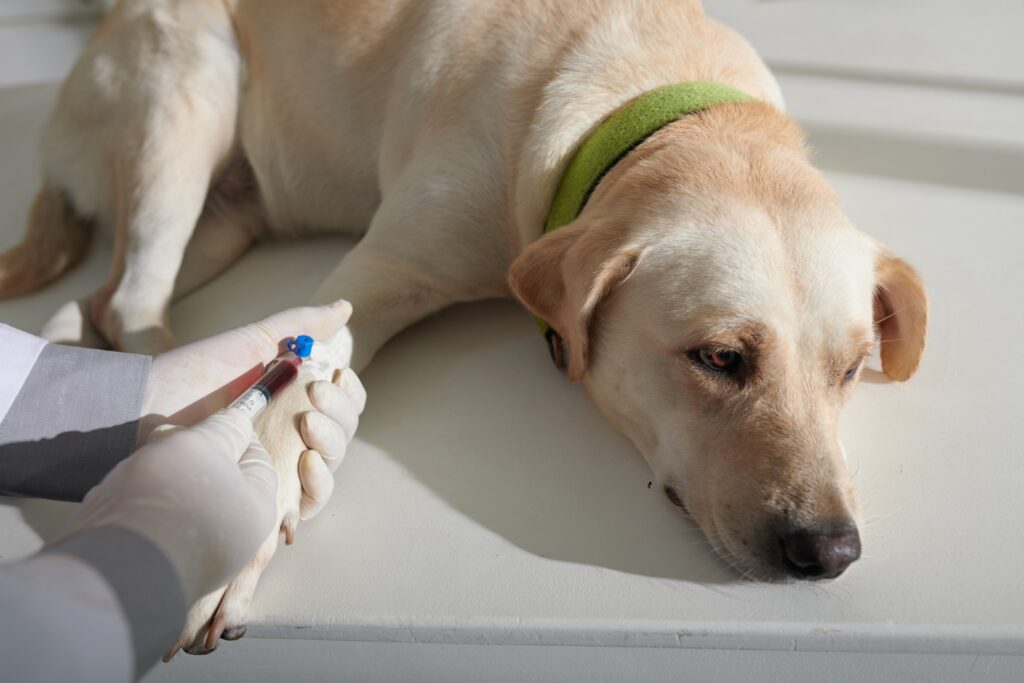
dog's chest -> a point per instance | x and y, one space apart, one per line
310 180
312 143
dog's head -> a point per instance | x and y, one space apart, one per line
719 308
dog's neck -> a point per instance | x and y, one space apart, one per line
622 132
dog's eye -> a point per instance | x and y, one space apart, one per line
719 360
852 372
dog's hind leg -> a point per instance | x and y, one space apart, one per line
232 220
144 124
162 198
56 239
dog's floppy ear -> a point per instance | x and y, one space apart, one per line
565 275
901 315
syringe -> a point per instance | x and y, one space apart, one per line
279 374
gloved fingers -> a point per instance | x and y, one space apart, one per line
338 404
227 433
320 322
348 380
317 484
258 469
326 436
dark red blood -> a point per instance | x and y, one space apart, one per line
279 374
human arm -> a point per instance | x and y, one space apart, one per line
68 415
167 525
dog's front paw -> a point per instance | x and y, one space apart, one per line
193 635
223 613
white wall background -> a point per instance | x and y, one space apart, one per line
936 68
951 42
39 39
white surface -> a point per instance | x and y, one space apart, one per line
28 10
487 502
309 661
20 351
974 45
39 52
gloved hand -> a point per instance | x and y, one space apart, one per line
192 381
205 495
328 433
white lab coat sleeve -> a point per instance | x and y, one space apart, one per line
102 606
19 352
68 415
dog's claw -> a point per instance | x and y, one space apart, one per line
234 632
198 650
214 632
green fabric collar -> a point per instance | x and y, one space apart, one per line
615 138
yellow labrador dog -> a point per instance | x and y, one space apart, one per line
712 296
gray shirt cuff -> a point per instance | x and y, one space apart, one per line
144 581
75 418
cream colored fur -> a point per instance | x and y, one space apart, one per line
439 128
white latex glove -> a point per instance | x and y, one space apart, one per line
205 495
328 433
192 381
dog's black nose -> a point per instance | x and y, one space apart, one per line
821 554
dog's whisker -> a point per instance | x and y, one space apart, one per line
874 519
851 456
894 313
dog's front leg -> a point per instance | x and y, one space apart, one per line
398 274
387 296
224 613
417 258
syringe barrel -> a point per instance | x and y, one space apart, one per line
279 374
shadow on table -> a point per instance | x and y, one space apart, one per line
38 477
470 404
47 518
